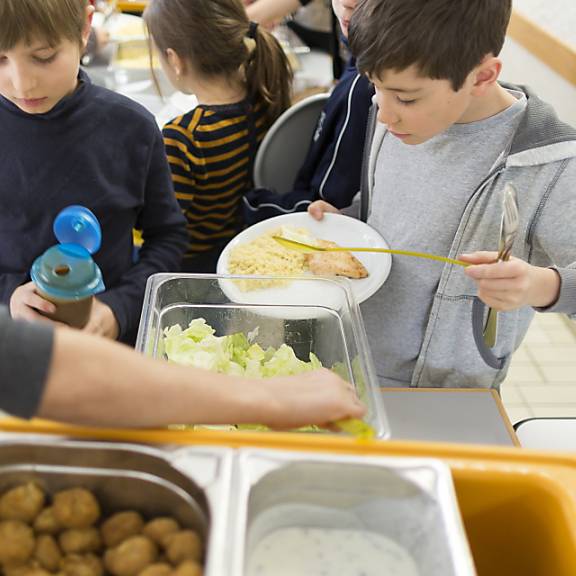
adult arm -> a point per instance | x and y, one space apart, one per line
25 351
95 381
270 11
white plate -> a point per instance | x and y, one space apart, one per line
338 228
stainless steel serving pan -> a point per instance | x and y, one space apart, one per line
410 502
191 484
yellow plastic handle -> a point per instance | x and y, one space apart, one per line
309 248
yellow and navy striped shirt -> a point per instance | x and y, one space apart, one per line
211 152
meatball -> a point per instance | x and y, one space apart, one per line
188 568
46 523
76 508
131 556
47 552
80 540
121 526
158 569
16 542
184 545
26 570
22 503
158 528
81 565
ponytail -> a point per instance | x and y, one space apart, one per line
268 72
216 38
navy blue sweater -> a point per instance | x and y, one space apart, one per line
331 170
103 151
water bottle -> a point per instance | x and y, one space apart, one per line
66 274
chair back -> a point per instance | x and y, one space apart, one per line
284 148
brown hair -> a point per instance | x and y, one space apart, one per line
49 20
445 39
214 36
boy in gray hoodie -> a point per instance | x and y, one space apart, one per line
444 140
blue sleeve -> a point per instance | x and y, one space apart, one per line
332 168
25 355
165 238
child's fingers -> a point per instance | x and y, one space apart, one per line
316 210
35 301
319 208
481 257
496 270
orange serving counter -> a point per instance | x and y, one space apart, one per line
518 506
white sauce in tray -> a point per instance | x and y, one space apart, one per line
324 552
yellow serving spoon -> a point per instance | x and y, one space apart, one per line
303 247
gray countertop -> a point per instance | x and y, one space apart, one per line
473 416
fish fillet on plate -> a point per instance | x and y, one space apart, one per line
335 263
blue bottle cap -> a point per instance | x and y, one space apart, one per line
76 225
67 270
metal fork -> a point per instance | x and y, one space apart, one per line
508 233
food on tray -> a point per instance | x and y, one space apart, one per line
65 538
331 552
159 528
22 503
181 546
266 256
76 508
80 540
121 526
47 552
335 263
130 557
16 542
46 522
234 354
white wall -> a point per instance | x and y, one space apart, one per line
521 67
558 17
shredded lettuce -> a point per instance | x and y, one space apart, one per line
234 354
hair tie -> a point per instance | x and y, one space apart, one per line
252 27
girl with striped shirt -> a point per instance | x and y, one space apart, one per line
242 79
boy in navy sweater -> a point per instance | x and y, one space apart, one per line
331 170
65 141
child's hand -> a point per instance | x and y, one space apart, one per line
102 321
317 397
319 208
26 304
512 284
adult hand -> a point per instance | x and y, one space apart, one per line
26 304
512 284
102 321
317 397
318 208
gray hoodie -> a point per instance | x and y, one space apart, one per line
541 163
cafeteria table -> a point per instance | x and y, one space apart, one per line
547 433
